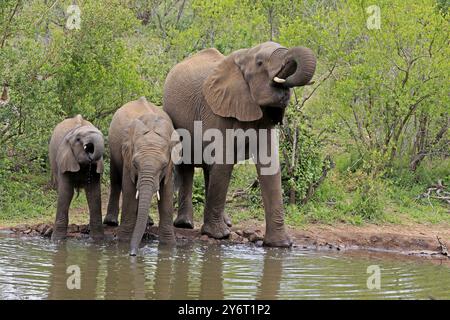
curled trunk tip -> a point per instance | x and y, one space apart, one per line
298 67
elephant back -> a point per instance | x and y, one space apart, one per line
183 87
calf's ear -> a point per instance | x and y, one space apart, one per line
65 158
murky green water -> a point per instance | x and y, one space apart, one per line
37 269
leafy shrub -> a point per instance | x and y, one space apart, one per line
302 162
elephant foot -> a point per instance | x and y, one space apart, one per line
182 221
110 220
280 240
167 239
96 235
58 235
227 220
216 230
123 235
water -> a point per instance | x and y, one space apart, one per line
37 269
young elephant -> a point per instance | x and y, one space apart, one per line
76 159
140 144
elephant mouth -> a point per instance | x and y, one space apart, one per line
275 114
285 71
89 148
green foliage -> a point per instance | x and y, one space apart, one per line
379 105
382 83
302 161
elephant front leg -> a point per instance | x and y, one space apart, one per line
226 218
112 213
65 195
93 196
129 209
271 192
219 179
185 218
165 208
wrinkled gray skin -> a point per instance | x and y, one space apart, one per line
249 89
76 160
141 146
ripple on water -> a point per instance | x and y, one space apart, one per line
37 269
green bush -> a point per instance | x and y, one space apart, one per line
302 161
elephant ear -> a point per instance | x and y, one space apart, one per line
175 156
176 148
127 155
227 92
65 158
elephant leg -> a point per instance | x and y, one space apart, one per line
271 192
129 209
65 195
94 199
165 208
226 218
112 214
219 179
185 218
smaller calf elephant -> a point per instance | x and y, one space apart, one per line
76 160
141 167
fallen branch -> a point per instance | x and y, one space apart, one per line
440 193
442 247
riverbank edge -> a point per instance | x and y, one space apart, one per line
412 240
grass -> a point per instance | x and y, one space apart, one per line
344 197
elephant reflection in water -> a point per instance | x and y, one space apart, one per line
269 286
132 278
211 285
172 275
184 272
63 280
125 276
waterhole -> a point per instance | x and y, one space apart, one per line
39 269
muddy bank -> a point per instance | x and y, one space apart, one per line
417 240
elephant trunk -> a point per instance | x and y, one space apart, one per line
145 191
94 146
298 67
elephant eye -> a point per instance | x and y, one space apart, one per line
259 63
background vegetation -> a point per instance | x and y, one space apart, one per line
361 144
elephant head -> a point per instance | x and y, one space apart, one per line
250 81
147 157
81 146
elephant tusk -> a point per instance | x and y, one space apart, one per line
157 195
137 194
85 147
279 80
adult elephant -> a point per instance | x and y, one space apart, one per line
76 159
248 89
141 167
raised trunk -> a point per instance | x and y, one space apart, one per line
298 67
99 147
94 146
145 197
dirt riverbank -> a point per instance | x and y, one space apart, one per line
414 240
